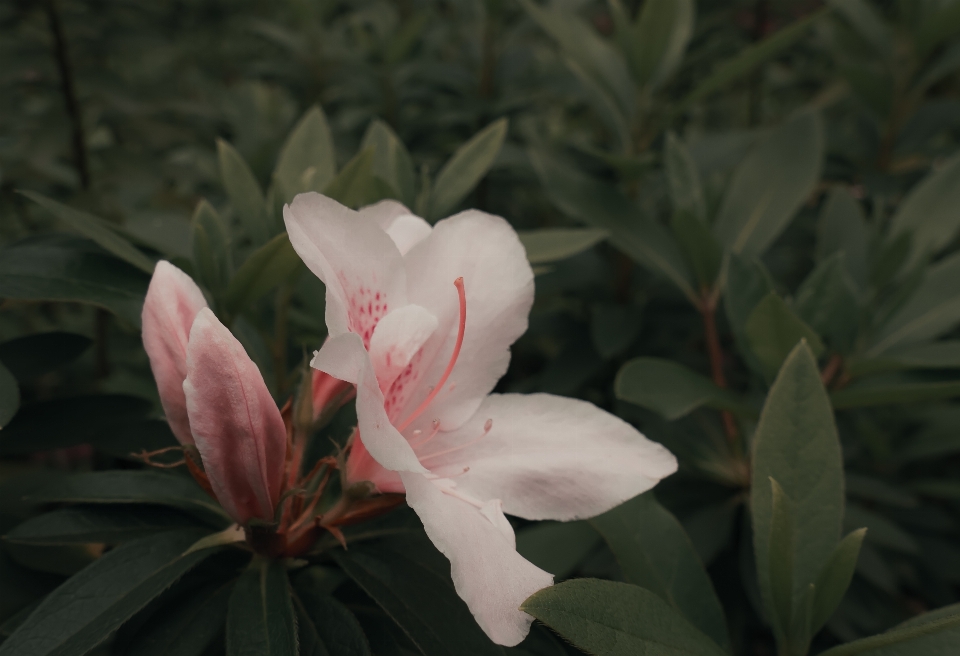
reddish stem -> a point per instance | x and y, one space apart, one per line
715 353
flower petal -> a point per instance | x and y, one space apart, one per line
487 571
549 457
405 228
172 303
396 340
236 424
344 357
353 256
498 281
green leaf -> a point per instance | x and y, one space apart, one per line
123 439
552 244
747 283
881 531
663 30
186 627
841 227
749 58
134 487
308 160
686 191
827 301
835 578
933 309
654 552
936 632
939 23
356 185
891 389
770 185
96 230
61 267
928 213
700 247
67 422
671 389
211 249
796 444
267 267
926 355
773 330
9 396
410 580
106 524
83 612
391 161
34 355
326 626
613 327
781 561
244 192
863 18
557 547
464 170
260 616
603 206
617 619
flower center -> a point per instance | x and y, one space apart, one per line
453 360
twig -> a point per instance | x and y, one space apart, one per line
708 309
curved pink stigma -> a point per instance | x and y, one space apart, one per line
453 359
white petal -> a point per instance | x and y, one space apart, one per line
396 339
345 358
405 228
549 457
487 571
486 252
384 212
353 256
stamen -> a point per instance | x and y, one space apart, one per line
436 429
487 425
453 359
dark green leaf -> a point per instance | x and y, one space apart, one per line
326 626
671 389
827 301
552 244
835 578
936 632
660 38
184 628
410 580
781 560
654 552
770 185
881 532
357 185
773 330
686 192
928 213
246 196
617 619
21 587
862 17
391 161
34 355
613 327
61 267
133 487
67 422
603 206
96 230
9 396
895 388
106 524
700 247
84 611
267 267
841 227
925 355
465 168
260 616
307 161
211 249
125 439
747 283
796 443
557 547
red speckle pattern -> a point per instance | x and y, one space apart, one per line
365 308
396 398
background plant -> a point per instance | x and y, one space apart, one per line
700 186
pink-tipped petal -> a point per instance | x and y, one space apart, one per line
236 424
487 571
396 340
172 303
548 457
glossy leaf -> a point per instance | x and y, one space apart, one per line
671 389
617 619
391 161
260 617
61 267
773 330
31 356
246 196
268 266
655 553
83 612
96 230
464 170
557 547
552 244
770 185
308 150
106 524
603 206
796 444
